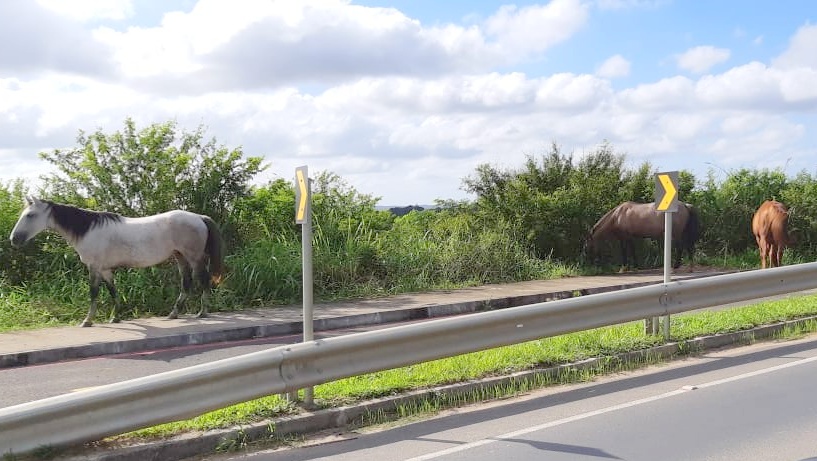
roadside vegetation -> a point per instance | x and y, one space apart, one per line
524 223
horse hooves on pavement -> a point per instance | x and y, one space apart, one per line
202 315
173 315
116 320
86 323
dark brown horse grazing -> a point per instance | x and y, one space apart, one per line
770 225
632 220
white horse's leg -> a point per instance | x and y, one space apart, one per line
95 279
174 314
187 284
107 277
204 280
205 300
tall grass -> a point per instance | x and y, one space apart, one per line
263 272
19 311
745 260
440 250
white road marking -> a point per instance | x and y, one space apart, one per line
621 406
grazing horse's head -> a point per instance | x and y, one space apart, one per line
33 220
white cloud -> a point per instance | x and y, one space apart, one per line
403 95
685 126
701 58
615 66
798 86
87 10
535 28
52 105
802 50
771 134
269 43
570 93
36 40
628 126
741 123
666 94
265 43
750 85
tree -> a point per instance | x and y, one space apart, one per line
143 172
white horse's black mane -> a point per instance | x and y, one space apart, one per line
78 221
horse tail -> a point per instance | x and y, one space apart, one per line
692 229
215 249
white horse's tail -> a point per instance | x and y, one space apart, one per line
215 249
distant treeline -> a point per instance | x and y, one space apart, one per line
404 210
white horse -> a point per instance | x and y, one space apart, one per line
106 241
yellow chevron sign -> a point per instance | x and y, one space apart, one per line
301 195
666 191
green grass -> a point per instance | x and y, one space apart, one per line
548 352
749 259
19 310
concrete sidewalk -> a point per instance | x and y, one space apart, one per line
72 342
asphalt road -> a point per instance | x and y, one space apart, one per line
25 384
756 402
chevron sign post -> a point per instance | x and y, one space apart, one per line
303 216
666 201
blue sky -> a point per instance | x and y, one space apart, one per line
404 99
647 32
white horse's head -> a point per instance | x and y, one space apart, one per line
33 220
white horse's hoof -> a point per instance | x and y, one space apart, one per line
173 315
86 323
202 315
116 320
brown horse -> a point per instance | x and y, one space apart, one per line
770 225
632 220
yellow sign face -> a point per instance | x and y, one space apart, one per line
666 191
301 195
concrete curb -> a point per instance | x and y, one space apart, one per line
189 445
268 329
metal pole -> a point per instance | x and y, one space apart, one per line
303 216
667 262
308 285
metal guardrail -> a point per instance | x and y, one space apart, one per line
113 409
